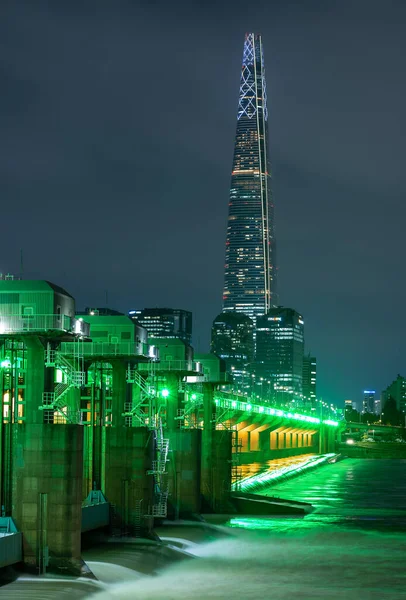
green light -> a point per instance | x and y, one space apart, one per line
249 406
194 396
329 422
266 478
5 364
250 523
165 393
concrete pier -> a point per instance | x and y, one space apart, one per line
47 495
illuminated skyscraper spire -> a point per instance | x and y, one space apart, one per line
250 282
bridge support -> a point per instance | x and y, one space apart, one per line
126 482
216 457
47 494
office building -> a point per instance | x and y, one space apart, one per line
279 353
368 404
165 322
232 339
250 273
309 379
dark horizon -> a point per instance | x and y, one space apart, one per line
116 154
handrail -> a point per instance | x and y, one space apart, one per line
17 323
107 349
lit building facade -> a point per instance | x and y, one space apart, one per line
279 353
232 339
368 403
309 379
250 274
165 322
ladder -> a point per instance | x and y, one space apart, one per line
56 401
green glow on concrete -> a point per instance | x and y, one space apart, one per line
332 423
225 401
251 523
165 393
255 482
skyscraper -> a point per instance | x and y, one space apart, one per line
165 322
249 281
279 357
232 339
368 403
309 379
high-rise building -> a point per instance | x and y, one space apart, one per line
350 405
368 404
309 379
232 339
165 322
250 272
397 391
279 353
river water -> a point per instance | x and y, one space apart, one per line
352 546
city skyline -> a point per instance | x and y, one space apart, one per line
250 270
112 179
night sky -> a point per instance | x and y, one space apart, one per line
117 123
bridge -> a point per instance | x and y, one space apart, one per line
122 434
376 428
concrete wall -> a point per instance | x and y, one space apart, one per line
184 472
216 485
125 481
47 494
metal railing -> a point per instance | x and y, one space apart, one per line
234 402
10 324
107 349
173 365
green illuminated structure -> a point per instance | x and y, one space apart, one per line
90 412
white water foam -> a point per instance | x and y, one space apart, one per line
348 565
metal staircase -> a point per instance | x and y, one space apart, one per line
236 471
143 410
147 412
160 505
74 378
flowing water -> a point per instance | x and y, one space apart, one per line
352 546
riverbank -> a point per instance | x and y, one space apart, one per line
378 450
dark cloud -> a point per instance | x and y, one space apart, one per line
117 123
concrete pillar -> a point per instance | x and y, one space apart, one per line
172 401
254 440
215 482
128 454
34 380
47 495
274 440
184 473
119 392
243 436
265 441
209 409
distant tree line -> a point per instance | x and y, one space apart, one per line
390 415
